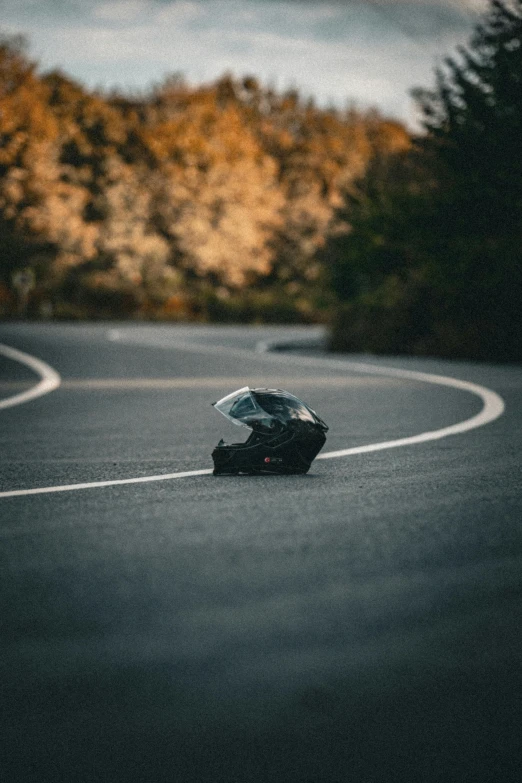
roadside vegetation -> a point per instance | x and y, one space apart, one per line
185 203
232 202
431 262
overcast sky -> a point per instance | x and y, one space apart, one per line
367 52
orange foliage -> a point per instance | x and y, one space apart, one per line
228 183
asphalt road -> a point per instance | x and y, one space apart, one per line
360 623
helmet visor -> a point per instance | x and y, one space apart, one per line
247 407
241 408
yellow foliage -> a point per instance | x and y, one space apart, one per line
228 183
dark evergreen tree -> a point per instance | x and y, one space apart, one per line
475 117
434 257
474 121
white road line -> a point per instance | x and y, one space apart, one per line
50 380
97 484
493 407
493 404
160 384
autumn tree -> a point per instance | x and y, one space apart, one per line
28 142
207 202
216 195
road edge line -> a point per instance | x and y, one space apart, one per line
50 379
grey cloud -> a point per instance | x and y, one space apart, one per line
370 51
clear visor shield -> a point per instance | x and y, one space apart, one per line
264 406
241 408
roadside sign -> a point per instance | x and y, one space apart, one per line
24 281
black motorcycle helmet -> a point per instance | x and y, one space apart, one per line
286 434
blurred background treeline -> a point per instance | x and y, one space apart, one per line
200 203
235 202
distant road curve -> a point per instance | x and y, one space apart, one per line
50 380
493 404
493 407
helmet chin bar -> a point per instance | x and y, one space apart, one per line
286 435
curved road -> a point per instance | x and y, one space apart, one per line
360 623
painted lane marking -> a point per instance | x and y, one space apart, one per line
50 380
493 407
136 384
97 484
493 404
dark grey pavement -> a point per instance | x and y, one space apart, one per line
360 623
